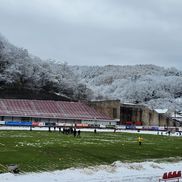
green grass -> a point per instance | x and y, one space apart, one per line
43 151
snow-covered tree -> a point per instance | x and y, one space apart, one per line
147 84
19 70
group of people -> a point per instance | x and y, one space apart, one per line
76 133
67 131
70 130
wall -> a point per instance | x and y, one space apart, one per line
109 107
149 117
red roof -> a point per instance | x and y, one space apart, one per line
49 109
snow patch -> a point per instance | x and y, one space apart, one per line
116 172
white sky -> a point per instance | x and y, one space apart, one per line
96 32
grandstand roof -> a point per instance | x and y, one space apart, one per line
49 109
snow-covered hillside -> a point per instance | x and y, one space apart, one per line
148 84
21 71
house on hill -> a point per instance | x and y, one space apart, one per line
177 116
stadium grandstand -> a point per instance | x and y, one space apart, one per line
45 111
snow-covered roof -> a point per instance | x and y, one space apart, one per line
49 109
129 103
176 115
161 111
178 119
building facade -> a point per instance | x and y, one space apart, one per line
132 113
109 107
139 113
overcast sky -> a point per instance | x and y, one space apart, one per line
96 32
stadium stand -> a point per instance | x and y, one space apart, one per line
49 109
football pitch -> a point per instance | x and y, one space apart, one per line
35 151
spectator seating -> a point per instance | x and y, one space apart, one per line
167 176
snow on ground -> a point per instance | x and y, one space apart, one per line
117 172
91 130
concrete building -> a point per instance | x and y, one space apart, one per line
133 113
109 107
140 113
177 116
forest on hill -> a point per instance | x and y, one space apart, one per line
152 85
25 76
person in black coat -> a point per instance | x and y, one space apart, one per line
79 133
74 132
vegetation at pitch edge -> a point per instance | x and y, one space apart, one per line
43 151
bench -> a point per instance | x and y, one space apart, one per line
171 176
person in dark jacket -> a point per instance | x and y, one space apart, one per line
79 133
74 132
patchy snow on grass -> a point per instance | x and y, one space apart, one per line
116 172
90 130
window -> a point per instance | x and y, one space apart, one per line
37 119
114 112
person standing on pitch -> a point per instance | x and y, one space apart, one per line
74 132
140 140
